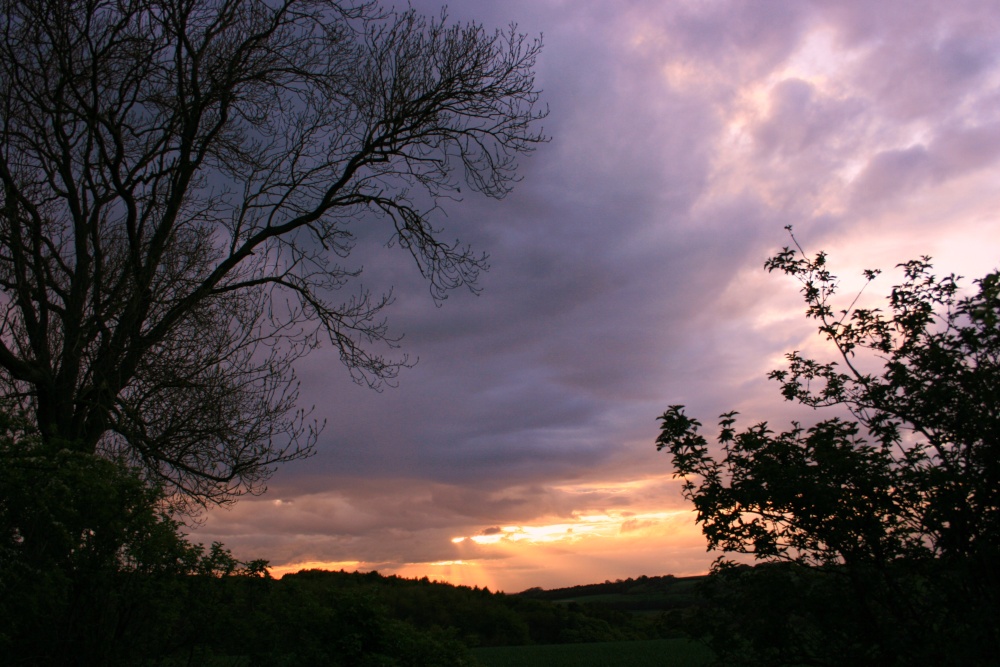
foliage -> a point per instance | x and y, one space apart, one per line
208 608
92 569
899 503
479 617
181 185
315 620
783 613
340 618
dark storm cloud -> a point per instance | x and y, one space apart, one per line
626 269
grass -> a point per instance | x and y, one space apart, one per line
651 653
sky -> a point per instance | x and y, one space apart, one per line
627 276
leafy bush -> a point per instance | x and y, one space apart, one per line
888 520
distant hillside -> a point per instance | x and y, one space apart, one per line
644 594
612 611
350 619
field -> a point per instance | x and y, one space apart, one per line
652 653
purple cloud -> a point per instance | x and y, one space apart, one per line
627 275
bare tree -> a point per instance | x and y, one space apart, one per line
181 184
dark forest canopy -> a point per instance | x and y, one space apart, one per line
222 609
181 183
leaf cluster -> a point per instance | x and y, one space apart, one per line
817 495
93 570
914 471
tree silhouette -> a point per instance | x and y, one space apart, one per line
181 182
902 499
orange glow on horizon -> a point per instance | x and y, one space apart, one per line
607 524
643 529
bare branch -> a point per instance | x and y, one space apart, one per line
179 182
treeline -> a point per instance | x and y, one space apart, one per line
95 571
334 618
641 593
224 612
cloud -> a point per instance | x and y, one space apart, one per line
920 63
636 524
893 171
953 153
626 276
804 120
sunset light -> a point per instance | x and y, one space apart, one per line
343 332
627 276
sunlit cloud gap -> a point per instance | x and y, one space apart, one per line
876 134
582 526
